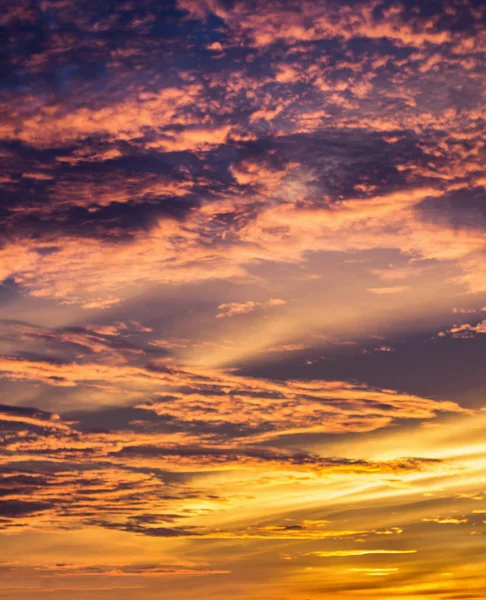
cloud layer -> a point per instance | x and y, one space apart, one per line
242 280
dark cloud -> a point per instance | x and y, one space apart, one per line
462 208
21 508
433 361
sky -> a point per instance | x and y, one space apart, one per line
242 300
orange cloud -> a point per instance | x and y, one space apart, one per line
466 330
397 289
240 308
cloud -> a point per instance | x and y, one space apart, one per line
356 552
261 408
240 308
134 570
375 572
465 331
196 191
21 508
136 479
183 178
445 520
361 552
398 289
306 22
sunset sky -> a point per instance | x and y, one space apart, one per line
242 300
